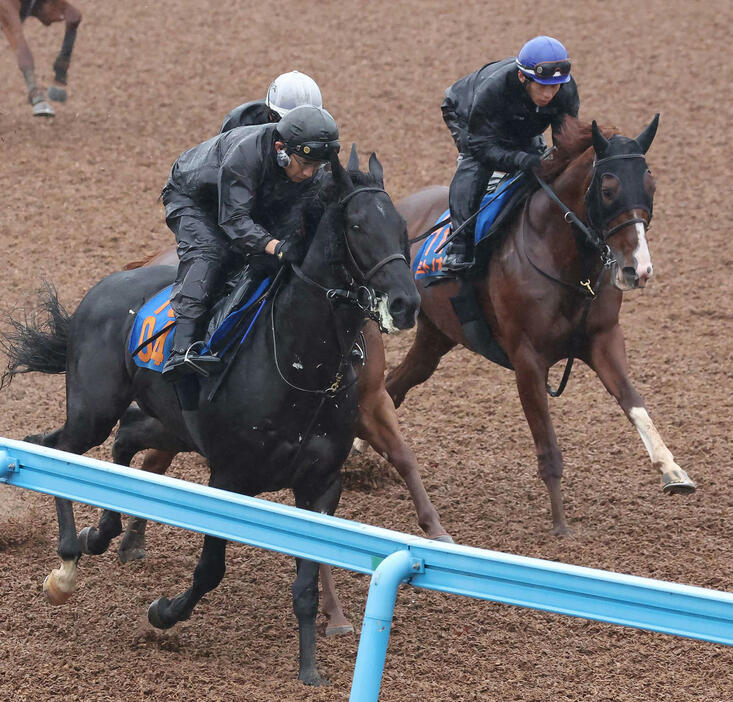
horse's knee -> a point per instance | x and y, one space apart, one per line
550 466
305 593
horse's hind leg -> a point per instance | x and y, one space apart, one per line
139 431
429 346
13 29
608 359
72 19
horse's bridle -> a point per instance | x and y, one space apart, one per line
598 241
363 297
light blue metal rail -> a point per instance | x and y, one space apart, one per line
391 557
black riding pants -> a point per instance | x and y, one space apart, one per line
466 190
205 257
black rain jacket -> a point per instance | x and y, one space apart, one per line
234 179
254 112
498 116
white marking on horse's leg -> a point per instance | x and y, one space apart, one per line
60 583
660 455
644 268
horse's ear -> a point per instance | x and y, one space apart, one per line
600 143
353 164
375 168
647 136
340 176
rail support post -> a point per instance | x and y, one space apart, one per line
388 575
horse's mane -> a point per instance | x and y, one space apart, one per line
573 139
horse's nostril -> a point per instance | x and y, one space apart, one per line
397 307
629 272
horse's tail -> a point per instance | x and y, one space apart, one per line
38 343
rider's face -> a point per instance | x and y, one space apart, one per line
539 94
300 169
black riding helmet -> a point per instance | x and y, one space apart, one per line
310 132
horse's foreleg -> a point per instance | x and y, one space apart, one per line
164 613
336 621
608 359
72 19
531 378
378 425
305 587
429 346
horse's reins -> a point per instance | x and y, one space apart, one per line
584 287
333 295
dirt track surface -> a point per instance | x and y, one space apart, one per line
80 199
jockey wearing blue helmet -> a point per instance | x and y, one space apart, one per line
497 116
544 60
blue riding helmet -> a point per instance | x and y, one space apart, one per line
544 60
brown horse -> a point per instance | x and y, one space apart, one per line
535 295
377 425
12 15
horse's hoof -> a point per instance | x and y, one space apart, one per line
54 594
444 539
155 616
313 678
339 630
56 93
43 109
131 554
685 487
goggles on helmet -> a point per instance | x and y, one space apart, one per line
548 69
315 150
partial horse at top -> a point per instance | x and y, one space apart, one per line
12 15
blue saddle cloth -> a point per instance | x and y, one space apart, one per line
156 319
429 261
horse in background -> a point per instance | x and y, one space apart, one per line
12 15
552 289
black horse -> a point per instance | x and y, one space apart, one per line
284 417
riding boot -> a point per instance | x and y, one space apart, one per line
185 357
457 257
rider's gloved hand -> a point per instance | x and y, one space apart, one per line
287 252
530 162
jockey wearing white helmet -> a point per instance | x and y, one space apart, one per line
286 92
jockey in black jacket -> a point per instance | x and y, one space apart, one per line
226 200
287 91
497 116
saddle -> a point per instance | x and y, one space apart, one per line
151 340
496 206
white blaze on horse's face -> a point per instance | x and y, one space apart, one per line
634 270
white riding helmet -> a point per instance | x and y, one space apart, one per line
291 90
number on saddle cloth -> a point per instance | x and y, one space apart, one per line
155 321
428 264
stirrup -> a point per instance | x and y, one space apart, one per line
203 364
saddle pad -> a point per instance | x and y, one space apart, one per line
155 315
429 262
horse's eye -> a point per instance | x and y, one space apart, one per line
355 227
607 193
